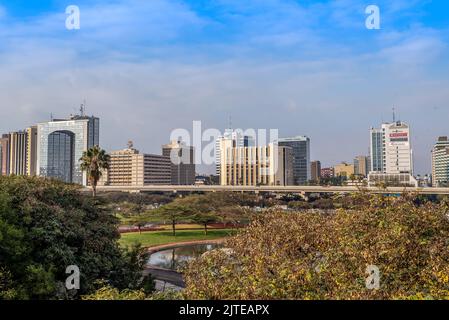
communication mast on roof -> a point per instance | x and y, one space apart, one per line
83 108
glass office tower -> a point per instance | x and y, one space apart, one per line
61 144
301 158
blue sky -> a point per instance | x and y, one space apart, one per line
147 67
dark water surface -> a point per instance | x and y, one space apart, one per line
177 257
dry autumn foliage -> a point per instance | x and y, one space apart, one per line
310 255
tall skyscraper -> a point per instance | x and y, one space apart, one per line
440 163
182 162
391 150
391 154
301 157
31 157
60 145
377 145
18 153
315 168
259 165
238 140
4 155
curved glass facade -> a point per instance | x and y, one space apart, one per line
61 155
61 144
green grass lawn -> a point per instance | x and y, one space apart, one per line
155 238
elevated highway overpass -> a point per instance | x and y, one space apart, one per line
269 189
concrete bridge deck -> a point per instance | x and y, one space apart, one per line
269 189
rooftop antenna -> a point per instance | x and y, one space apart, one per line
83 108
51 116
230 122
394 115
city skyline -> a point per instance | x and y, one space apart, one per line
306 68
212 169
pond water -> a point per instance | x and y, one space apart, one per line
177 257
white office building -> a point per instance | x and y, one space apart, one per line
440 163
270 165
391 154
236 138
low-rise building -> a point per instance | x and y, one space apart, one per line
344 170
391 179
129 167
327 173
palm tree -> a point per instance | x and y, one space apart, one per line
94 161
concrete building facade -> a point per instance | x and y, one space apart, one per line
327 173
128 167
344 170
361 166
315 168
391 154
18 153
31 157
257 165
4 155
182 159
238 138
440 163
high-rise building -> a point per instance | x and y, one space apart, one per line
31 156
238 139
128 167
391 150
361 166
315 168
259 165
60 145
18 153
377 146
301 157
182 162
440 163
4 155
391 154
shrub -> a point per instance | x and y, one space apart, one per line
325 256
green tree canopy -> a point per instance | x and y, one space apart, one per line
46 226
